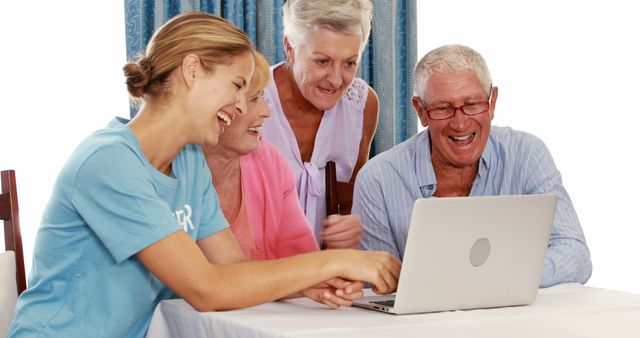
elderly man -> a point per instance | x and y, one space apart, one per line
461 154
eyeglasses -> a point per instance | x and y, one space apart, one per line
447 112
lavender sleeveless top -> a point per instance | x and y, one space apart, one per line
337 139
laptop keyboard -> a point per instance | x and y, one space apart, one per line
389 302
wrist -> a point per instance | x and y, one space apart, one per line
331 263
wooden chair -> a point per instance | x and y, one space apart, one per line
339 194
9 214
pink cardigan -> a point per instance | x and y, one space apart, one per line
280 227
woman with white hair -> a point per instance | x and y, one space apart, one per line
320 111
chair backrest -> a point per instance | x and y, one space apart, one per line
9 214
8 290
339 194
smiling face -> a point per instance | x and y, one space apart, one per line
243 135
218 96
325 65
457 142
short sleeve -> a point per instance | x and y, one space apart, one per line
115 194
357 94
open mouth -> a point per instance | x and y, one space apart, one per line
255 129
328 92
224 117
463 139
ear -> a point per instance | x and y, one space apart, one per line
189 69
288 50
494 97
422 114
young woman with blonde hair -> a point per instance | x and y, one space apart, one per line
134 218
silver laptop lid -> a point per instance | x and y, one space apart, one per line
474 252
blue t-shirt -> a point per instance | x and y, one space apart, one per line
108 204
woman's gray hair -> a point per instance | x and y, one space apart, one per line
344 16
449 58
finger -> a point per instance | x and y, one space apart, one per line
338 283
328 301
378 282
350 296
322 285
318 295
396 268
347 289
343 223
392 273
332 219
384 283
340 231
338 228
391 263
329 304
331 299
350 286
343 232
333 242
354 287
342 235
388 274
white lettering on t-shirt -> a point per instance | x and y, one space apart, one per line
184 218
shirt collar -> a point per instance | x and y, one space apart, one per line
424 167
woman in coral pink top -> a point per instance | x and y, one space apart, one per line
257 192
279 225
255 184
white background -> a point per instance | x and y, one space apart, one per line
61 80
567 71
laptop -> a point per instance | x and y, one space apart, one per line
470 253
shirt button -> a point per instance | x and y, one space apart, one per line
430 186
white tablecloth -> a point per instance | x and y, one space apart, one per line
569 310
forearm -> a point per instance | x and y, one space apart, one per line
207 286
183 267
229 287
251 283
567 261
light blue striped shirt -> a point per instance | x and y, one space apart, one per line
513 163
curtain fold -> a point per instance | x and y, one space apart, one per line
260 19
387 61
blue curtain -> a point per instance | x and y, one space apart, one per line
260 19
387 62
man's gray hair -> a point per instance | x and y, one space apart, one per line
344 16
446 59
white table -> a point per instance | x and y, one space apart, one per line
569 310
